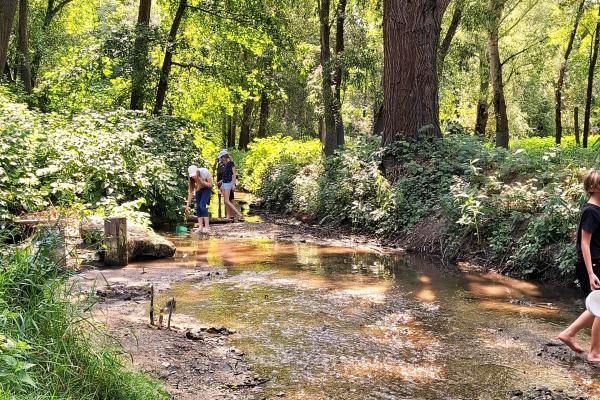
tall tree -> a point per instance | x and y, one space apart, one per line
563 71
590 83
263 114
496 8
52 9
163 81
411 31
8 9
245 124
450 33
483 99
24 59
339 50
140 55
329 104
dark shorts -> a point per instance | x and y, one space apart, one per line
583 278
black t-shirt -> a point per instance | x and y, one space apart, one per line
590 222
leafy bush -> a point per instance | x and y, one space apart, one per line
95 160
517 208
47 349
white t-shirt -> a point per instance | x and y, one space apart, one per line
204 173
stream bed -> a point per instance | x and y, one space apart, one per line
342 323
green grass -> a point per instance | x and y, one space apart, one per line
49 347
537 142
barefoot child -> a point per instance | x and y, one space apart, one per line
587 268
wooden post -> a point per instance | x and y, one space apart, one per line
576 118
52 238
115 240
152 305
171 307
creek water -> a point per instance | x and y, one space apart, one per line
326 322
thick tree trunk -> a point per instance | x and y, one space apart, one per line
339 51
24 59
411 31
8 9
452 28
576 125
590 84
562 72
245 126
161 91
502 133
140 55
329 105
264 115
484 88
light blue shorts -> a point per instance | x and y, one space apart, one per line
226 186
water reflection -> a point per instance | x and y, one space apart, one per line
330 322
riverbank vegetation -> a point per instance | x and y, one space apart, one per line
473 150
50 347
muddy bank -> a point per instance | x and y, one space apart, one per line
194 361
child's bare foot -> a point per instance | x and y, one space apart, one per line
570 341
593 358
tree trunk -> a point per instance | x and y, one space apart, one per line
329 104
246 119
8 9
25 63
562 72
484 88
51 12
445 46
264 115
140 55
224 129
576 125
163 81
232 130
590 84
502 133
411 31
115 240
339 51
378 121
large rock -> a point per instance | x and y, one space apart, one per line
141 241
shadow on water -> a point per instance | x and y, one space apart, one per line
328 322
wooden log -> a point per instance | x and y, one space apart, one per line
51 238
115 241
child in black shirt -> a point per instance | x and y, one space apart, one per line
587 268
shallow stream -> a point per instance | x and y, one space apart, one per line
343 323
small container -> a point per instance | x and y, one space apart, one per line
181 229
592 303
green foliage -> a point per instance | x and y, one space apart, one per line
47 349
95 161
519 208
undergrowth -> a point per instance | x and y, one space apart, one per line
515 210
49 346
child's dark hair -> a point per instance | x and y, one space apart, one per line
591 183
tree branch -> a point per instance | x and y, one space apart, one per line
230 17
518 53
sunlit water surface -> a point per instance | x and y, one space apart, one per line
327 322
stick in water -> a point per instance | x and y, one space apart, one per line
152 305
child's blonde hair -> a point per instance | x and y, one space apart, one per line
591 183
